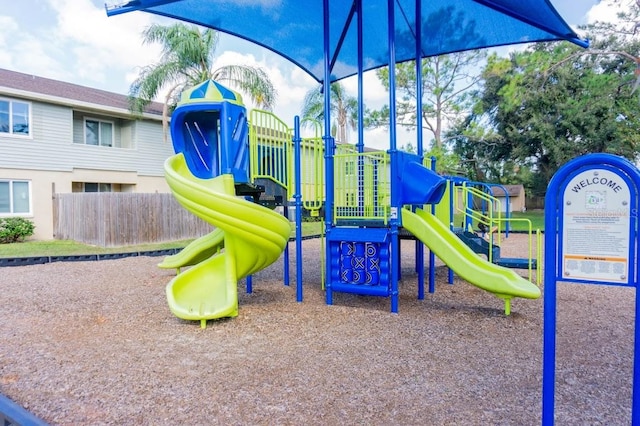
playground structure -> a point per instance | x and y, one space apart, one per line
232 169
363 214
343 39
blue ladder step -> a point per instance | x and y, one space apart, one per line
516 263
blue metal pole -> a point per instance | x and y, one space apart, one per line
635 404
432 256
360 79
298 200
452 187
420 136
507 209
329 147
468 210
418 32
360 144
393 154
549 326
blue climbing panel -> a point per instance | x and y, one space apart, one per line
360 261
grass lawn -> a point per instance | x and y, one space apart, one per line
535 216
70 248
518 222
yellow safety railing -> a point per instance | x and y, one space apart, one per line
494 223
271 149
361 185
312 172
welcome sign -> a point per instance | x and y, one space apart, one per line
596 233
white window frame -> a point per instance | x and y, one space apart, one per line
10 133
99 121
11 213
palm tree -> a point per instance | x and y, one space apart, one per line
187 60
344 109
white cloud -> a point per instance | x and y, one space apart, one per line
290 82
603 12
9 26
102 46
75 41
375 95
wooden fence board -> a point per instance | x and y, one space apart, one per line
113 219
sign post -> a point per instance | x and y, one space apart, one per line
591 215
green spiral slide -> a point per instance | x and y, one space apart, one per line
502 282
196 251
254 238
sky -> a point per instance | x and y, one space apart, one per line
75 41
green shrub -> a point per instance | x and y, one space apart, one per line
15 229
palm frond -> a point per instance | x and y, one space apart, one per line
252 81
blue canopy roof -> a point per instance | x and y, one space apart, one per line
295 28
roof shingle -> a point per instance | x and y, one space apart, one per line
34 84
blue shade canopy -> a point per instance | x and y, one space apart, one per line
295 28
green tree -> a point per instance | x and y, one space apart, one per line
344 110
609 39
187 59
537 111
446 84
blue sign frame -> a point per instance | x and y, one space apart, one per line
555 218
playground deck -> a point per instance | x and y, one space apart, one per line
94 343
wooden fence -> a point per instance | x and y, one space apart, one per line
112 219
535 202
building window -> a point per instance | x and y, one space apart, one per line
96 187
15 117
99 187
15 197
97 132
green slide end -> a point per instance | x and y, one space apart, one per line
254 238
196 251
503 282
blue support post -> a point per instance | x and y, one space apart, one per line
360 144
393 154
420 268
635 405
329 146
359 22
419 244
452 194
507 209
432 256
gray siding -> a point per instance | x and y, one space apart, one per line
52 146
152 150
51 129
